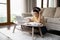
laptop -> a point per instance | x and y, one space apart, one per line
21 20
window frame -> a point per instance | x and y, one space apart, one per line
42 3
8 14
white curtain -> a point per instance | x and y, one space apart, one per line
17 7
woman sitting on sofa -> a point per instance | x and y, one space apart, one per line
37 17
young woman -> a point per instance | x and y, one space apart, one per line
37 17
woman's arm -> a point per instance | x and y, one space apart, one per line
42 20
40 14
30 19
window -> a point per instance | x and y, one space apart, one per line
42 3
52 3
45 4
38 3
3 11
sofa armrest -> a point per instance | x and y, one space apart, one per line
45 20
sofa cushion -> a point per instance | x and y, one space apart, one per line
57 13
53 26
53 20
49 12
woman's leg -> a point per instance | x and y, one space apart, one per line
44 30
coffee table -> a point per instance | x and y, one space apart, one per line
39 27
33 26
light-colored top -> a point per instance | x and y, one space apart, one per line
40 19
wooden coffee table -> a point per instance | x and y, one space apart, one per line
39 27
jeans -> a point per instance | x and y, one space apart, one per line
44 30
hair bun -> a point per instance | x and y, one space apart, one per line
36 9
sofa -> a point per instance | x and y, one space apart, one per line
51 17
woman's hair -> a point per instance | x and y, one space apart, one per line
36 9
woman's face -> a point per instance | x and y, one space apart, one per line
35 14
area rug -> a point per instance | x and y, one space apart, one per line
4 37
22 35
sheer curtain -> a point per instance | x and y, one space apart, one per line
17 8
